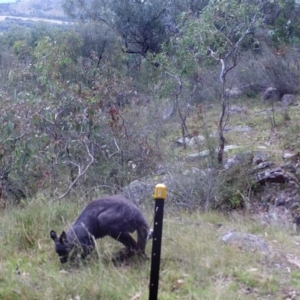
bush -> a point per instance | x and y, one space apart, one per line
282 70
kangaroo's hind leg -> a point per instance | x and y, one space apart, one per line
131 246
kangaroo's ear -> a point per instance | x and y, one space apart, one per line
53 235
63 237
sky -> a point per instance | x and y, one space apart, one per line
8 1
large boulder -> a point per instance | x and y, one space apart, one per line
139 191
276 175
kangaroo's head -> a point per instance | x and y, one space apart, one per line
62 246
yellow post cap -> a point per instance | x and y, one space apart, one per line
160 191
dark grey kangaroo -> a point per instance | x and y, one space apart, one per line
114 216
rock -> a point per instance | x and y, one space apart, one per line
279 201
196 140
264 165
288 166
245 241
277 215
288 99
259 157
192 171
288 155
241 128
232 161
190 141
276 175
205 153
182 141
196 156
167 113
160 170
272 94
235 109
138 191
236 159
230 147
233 92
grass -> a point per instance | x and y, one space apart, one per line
259 116
195 264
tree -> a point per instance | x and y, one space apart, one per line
215 37
283 20
142 24
139 23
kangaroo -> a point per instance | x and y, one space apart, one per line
114 216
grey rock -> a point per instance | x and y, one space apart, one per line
264 165
160 170
242 128
279 201
276 175
259 157
205 153
271 94
189 141
138 191
191 171
235 109
288 99
245 241
288 155
233 92
232 161
196 156
243 157
288 166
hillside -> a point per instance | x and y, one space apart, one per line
201 96
195 262
35 8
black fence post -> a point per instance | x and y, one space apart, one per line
160 194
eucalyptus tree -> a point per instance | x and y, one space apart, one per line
284 22
143 24
214 37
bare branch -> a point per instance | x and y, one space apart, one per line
116 144
212 54
116 152
80 172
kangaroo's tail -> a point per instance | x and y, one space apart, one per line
142 235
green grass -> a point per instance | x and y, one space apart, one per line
194 263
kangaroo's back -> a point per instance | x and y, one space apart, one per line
112 215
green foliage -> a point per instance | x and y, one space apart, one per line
66 99
142 25
216 32
62 88
285 26
15 33
236 184
54 59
